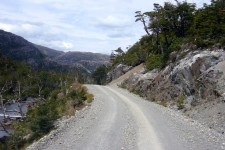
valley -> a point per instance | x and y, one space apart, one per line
83 75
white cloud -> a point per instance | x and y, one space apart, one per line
87 25
67 45
6 27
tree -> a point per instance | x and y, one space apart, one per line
185 12
119 51
141 17
209 21
99 75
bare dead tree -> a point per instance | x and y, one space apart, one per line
1 99
3 127
40 87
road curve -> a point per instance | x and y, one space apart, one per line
118 120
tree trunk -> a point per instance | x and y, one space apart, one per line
145 27
166 39
157 41
3 108
19 89
39 90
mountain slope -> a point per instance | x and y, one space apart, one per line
48 51
18 48
88 60
40 57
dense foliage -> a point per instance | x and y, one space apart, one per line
18 81
40 119
99 75
59 94
170 26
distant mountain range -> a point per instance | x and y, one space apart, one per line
40 57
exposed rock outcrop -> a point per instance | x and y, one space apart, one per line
118 71
198 79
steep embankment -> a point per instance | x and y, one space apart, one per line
193 83
127 71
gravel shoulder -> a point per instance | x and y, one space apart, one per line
105 125
118 119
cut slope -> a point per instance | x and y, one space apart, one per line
128 74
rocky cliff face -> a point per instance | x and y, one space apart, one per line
194 83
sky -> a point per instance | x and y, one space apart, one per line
98 26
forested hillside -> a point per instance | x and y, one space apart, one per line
172 26
40 57
53 95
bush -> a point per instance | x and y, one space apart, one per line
89 97
163 103
154 61
123 85
41 118
180 102
222 41
175 44
203 43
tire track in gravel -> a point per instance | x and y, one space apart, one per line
118 120
147 138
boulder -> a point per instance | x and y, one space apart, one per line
118 71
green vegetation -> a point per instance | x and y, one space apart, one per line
40 119
170 26
60 92
154 61
19 81
180 102
100 75
123 85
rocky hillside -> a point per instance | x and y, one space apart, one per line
48 51
40 57
90 61
18 48
194 83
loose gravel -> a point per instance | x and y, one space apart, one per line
109 124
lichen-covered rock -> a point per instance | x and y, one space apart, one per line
118 71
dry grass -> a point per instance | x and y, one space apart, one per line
90 97
163 103
69 110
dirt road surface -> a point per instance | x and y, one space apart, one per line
120 120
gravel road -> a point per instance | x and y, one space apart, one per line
119 120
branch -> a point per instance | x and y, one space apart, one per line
4 129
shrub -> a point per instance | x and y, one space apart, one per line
154 61
222 41
163 103
123 85
153 99
180 102
69 109
89 97
175 44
